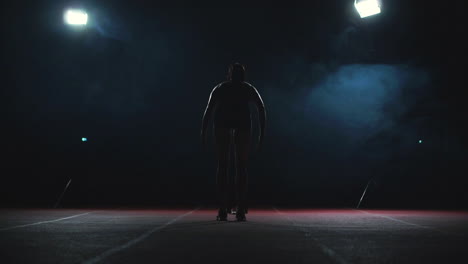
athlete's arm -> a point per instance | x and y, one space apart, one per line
208 112
261 113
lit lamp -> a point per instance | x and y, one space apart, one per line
367 8
75 17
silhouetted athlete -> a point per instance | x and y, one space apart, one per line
229 101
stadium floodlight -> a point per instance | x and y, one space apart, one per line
367 8
75 17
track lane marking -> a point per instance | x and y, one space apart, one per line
326 250
43 222
132 242
394 219
408 223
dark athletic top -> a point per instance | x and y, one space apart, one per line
231 108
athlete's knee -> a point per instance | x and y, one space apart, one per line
242 163
223 164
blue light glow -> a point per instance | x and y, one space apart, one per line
420 141
84 139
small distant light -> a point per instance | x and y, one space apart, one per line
84 139
75 17
367 7
420 141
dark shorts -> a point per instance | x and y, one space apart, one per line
225 136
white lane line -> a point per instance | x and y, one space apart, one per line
328 251
43 222
130 243
394 219
408 223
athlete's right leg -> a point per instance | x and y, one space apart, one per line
242 146
222 140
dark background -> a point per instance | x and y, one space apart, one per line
347 99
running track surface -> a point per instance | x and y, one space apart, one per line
271 235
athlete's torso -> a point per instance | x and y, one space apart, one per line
232 104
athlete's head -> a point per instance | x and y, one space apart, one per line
236 72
